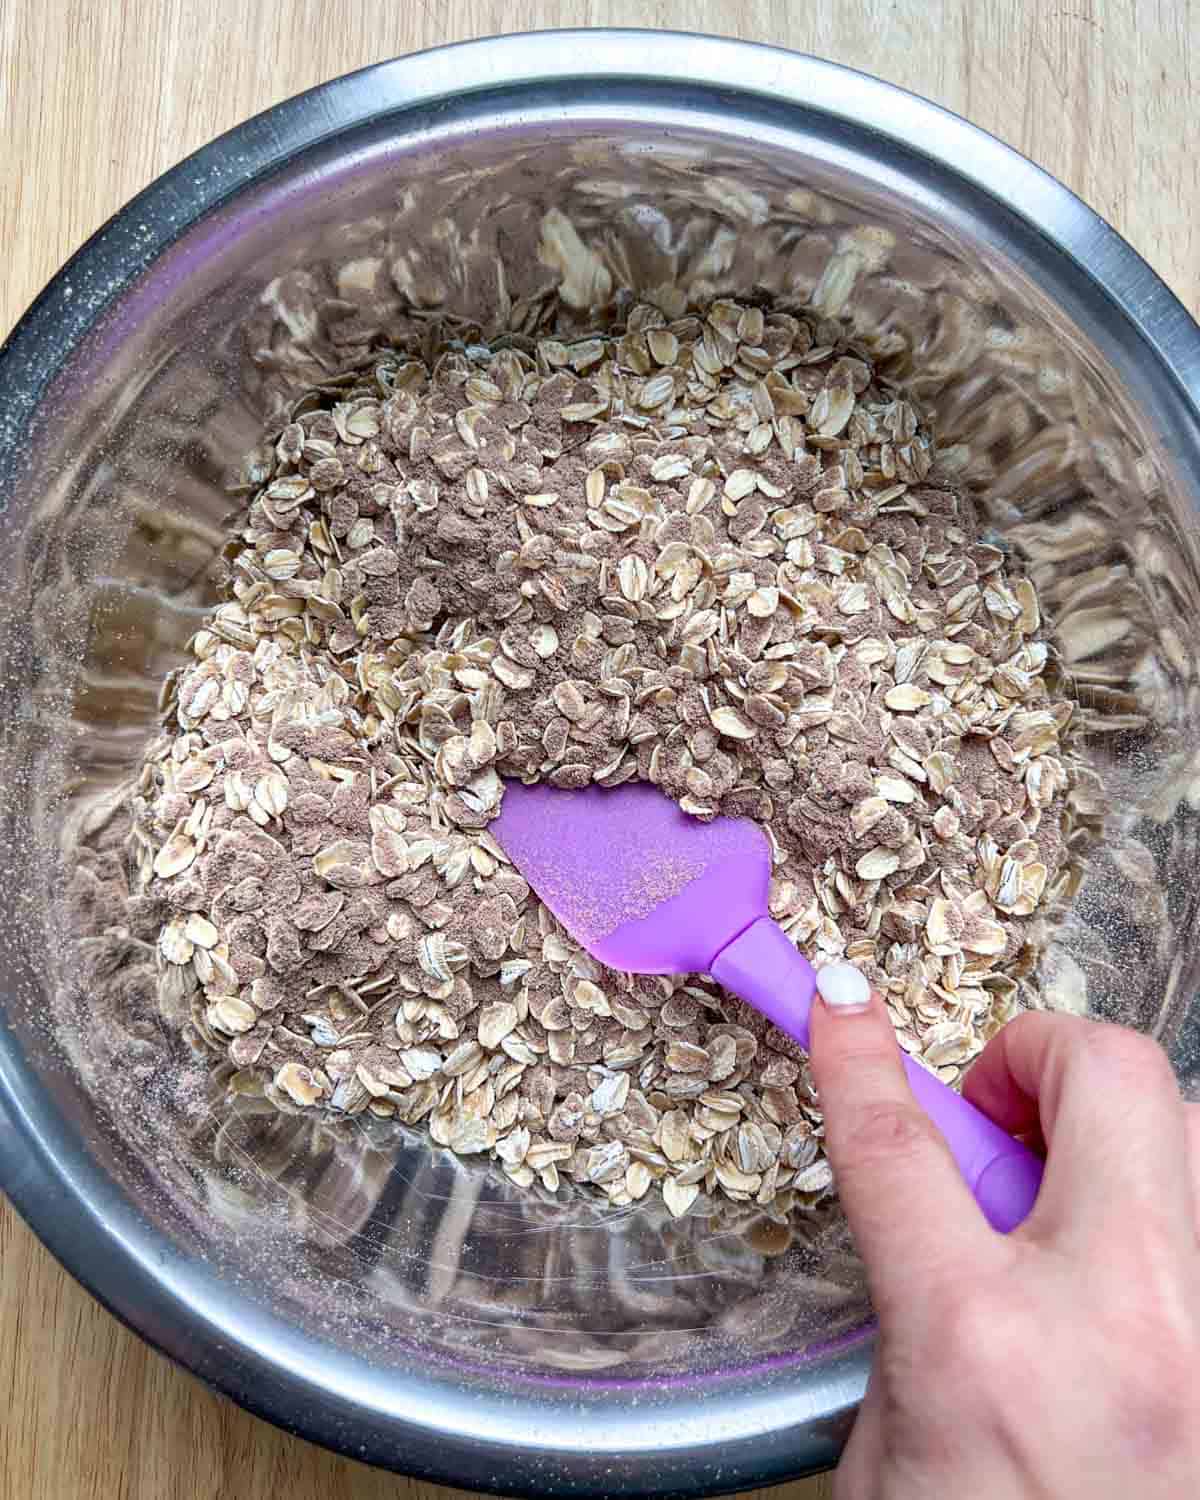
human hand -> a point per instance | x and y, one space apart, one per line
1062 1360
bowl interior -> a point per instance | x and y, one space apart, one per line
392 1280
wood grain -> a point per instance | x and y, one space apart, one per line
95 100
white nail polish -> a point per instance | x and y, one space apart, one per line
843 987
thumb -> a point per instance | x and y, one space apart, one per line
910 1211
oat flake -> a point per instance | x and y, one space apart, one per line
714 553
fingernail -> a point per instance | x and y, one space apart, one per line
844 988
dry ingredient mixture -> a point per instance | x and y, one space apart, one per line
714 553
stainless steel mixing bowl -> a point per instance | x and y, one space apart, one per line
361 1288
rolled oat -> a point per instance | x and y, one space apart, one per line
713 553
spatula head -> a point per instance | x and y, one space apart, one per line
640 883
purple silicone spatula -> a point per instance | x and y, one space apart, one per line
647 888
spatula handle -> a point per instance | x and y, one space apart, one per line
763 966
1003 1174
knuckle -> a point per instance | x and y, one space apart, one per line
971 1345
1155 1400
1163 1312
888 1130
1038 1021
1040 1033
1128 1057
1158 1420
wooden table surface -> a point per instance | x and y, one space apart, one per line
95 100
